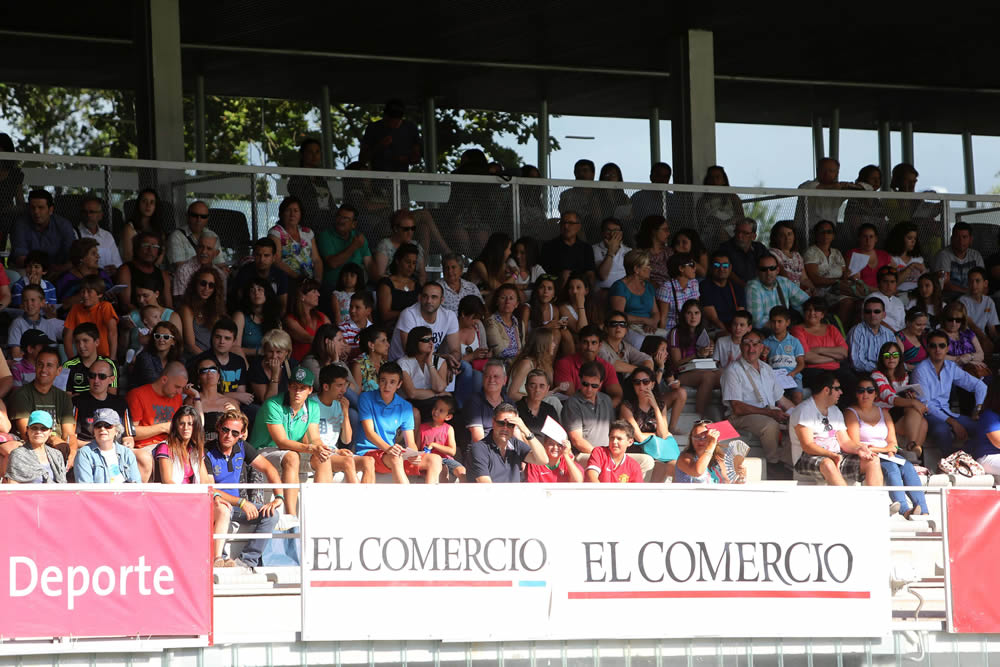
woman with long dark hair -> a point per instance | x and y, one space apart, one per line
643 408
785 248
400 289
204 304
654 232
687 341
903 246
260 311
144 217
490 270
181 459
163 347
689 241
906 409
304 317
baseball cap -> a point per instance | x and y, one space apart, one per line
40 417
107 416
35 337
303 375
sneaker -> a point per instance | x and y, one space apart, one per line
894 508
287 522
239 562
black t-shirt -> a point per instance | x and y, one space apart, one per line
256 374
232 374
726 300
386 158
84 407
558 257
536 422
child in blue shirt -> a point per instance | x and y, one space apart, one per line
785 351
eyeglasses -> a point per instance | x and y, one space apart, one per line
703 422
591 385
720 265
200 216
642 381
827 425
102 425
427 339
38 427
206 283
750 343
229 431
163 336
154 246
890 355
208 369
98 376
864 390
954 319
618 324
772 267
504 424
872 312
937 346
408 229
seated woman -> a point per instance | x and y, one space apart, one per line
541 311
579 304
927 297
269 371
35 462
472 338
374 345
871 425
524 263
642 407
785 248
86 261
504 331
636 297
298 254
304 318
328 347
260 311
181 459
163 347
687 341
867 239
681 288
963 346
105 461
213 403
490 270
702 461
203 306
399 289
904 405
823 343
688 241
425 376
911 338
539 352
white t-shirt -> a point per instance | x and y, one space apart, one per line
617 271
419 375
726 351
822 208
807 414
331 421
983 314
445 324
895 313
115 475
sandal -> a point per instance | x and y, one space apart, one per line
223 562
917 450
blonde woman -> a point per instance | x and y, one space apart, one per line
269 371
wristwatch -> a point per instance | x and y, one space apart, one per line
529 436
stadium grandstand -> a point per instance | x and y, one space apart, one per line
291 414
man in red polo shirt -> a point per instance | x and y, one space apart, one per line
611 464
567 369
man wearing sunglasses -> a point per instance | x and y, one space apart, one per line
497 458
866 338
617 351
721 297
609 253
769 290
144 270
567 369
821 447
86 404
226 459
744 251
206 256
182 244
937 376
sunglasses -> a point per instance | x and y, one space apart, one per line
504 424
98 376
206 283
864 390
836 387
772 267
208 369
427 339
163 336
229 431
618 324
703 422
937 346
154 246
103 425
720 265
200 216
642 381
954 319
689 265
827 425
872 312
591 385
890 355
408 229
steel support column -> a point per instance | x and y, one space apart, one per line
819 151
834 151
907 142
326 126
159 93
884 153
970 166
199 118
543 138
430 136
693 120
654 135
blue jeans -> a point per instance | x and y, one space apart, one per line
262 524
468 383
939 432
903 475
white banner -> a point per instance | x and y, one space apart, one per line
521 562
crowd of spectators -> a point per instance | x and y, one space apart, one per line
334 352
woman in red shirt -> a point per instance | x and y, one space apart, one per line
867 238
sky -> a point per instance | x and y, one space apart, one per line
777 156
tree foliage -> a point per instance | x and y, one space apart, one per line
102 123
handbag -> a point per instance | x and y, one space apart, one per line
976 371
661 449
961 463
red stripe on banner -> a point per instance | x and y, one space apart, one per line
412 584
648 595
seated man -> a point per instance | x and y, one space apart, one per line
820 444
567 369
611 463
206 253
957 260
41 394
617 351
533 409
866 338
334 424
810 210
895 312
86 340
937 376
756 403
287 426
769 290
153 406
42 230
232 366
982 310
721 297
384 414
262 266
98 397
497 458
478 411
568 253
744 252
225 459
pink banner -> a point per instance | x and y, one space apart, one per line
105 564
973 545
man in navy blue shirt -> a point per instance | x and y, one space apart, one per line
498 457
225 460
720 296
567 254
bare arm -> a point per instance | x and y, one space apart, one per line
580 442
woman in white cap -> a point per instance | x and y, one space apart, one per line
105 461
35 462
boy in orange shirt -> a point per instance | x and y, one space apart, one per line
91 308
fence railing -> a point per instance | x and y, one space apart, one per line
458 213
